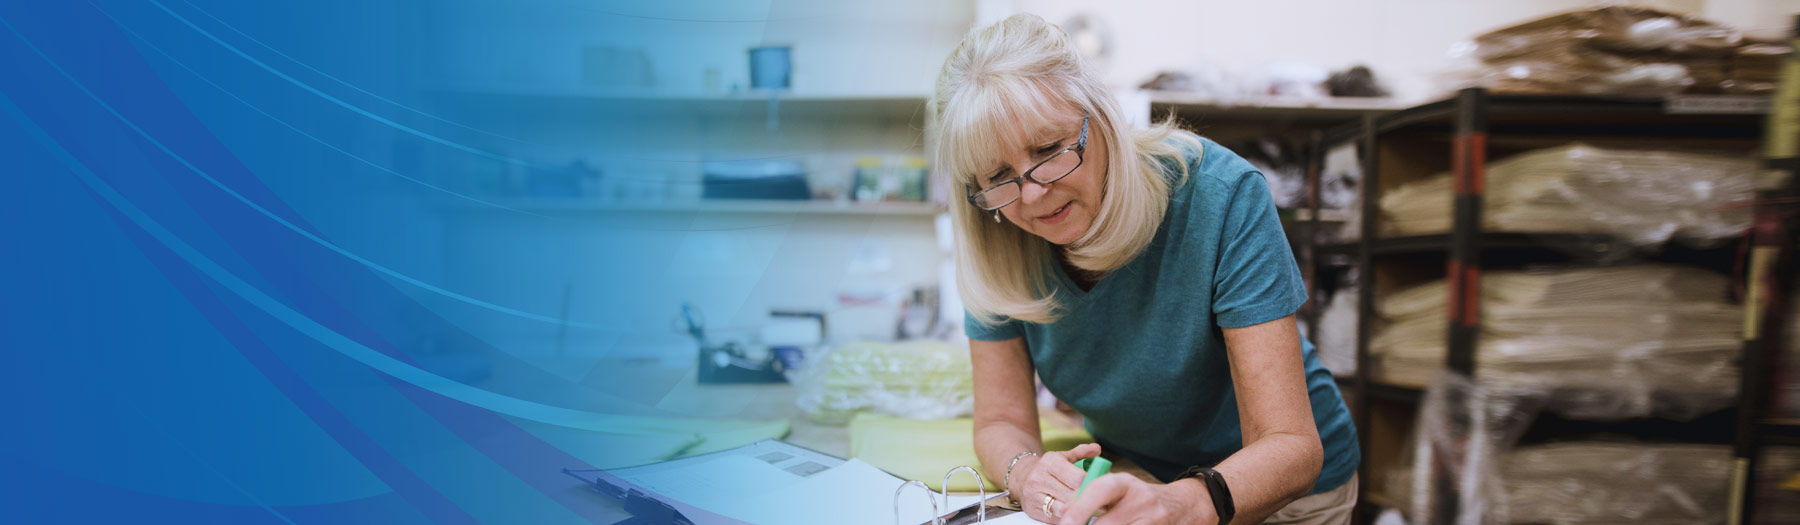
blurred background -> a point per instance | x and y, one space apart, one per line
427 254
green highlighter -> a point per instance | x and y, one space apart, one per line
1095 467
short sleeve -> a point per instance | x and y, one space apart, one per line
1257 280
1006 330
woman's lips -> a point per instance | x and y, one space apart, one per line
1056 216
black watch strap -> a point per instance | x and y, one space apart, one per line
1215 486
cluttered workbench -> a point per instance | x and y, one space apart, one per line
907 449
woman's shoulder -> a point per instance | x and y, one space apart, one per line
1211 166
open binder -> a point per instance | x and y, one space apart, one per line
771 481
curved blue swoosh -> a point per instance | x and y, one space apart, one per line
395 368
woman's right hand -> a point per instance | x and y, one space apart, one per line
1055 475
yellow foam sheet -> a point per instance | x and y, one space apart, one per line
924 450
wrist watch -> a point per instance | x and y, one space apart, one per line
1215 486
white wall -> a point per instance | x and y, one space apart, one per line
1770 18
632 271
838 46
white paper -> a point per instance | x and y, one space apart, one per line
755 490
854 492
1017 518
717 485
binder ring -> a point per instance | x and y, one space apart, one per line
980 504
937 513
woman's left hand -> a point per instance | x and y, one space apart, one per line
1124 499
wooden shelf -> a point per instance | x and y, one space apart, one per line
1780 431
1334 108
1624 116
1241 120
712 206
1583 244
1393 391
1305 214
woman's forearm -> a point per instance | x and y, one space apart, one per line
1006 418
998 442
1269 474
1282 453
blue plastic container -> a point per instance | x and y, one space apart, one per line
771 67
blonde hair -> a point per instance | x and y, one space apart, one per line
1011 77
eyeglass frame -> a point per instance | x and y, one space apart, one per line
1080 149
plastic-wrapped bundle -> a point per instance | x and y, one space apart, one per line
1463 430
1756 68
1599 482
1648 483
1616 342
1614 49
1643 197
916 379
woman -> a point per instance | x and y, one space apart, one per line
1144 277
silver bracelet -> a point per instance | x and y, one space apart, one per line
1009 467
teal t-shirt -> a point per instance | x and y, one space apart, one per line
1141 355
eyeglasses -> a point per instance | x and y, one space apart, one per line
1048 171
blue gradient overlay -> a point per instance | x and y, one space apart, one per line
263 263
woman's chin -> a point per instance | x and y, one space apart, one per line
1063 234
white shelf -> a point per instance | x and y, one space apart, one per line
790 104
710 206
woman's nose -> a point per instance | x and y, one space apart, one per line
1030 190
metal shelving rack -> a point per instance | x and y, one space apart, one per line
1470 119
1771 278
1297 121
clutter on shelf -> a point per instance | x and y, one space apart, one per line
1643 197
1756 67
920 379
1284 81
880 179
1283 165
1358 81
755 179
1614 342
1617 49
1335 337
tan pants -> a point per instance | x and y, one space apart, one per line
1331 507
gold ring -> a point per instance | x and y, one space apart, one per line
1048 499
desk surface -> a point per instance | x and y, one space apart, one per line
680 393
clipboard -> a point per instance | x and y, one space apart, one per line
649 506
